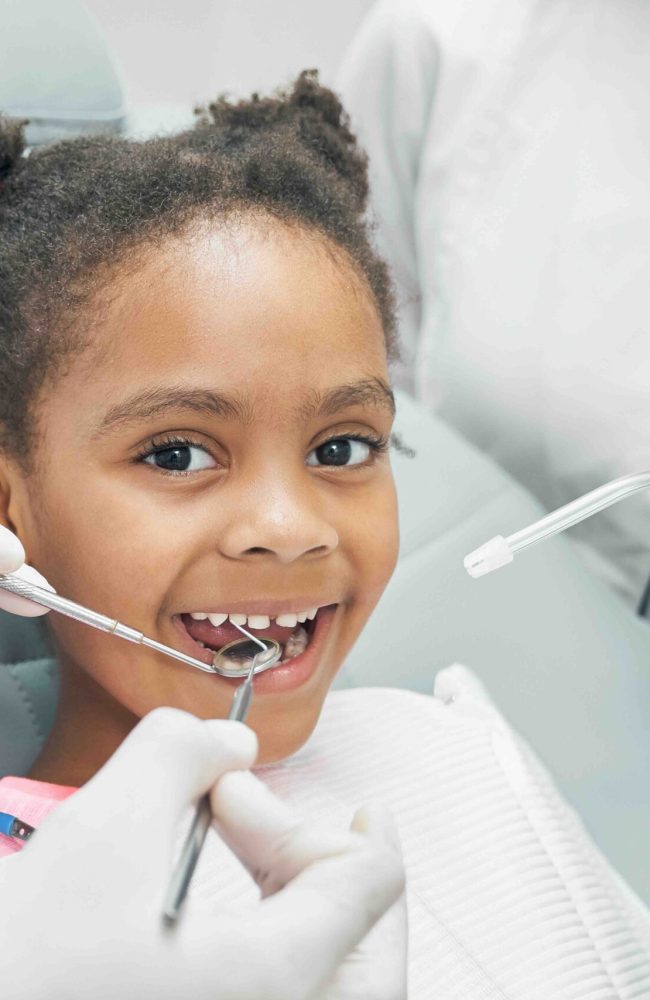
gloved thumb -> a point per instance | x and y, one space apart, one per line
166 762
12 554
12 559
22 605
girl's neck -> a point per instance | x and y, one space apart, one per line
88 728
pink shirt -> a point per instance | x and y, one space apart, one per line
30 801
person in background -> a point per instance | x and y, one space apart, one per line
509 145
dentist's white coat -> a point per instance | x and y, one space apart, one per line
509 146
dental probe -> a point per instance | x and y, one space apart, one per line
71 610
182 875
500 551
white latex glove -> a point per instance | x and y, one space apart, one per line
81 904
278 852
12 560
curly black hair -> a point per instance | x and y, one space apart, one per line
77 212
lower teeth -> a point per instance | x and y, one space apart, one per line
295 645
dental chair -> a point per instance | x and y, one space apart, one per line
564 659
56 71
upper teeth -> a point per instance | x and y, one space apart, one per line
255 621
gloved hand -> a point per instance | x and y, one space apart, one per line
81 904
12 560
277 853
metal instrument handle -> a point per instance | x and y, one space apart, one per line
241 702
184 870
14 585
198 831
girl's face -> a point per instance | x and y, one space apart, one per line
219 451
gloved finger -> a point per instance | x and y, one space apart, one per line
342 884
266 835
168 760
12 554
275 846
344 896
376 822
20 605
380 962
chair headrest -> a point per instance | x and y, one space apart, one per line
56 71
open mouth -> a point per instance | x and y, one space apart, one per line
292 631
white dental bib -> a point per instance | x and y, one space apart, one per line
507 895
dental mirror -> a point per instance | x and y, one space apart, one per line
234 659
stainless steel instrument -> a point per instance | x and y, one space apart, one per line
14 585
182 875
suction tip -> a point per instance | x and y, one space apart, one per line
493 555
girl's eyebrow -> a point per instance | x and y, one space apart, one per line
368 392
153 402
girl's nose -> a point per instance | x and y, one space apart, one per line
286 524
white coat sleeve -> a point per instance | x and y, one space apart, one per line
387 83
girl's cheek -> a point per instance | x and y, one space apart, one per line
94 554
377 539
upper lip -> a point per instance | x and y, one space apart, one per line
269 607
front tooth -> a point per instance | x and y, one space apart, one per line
217 619
302 617
237 619
287 621
198 616
311 614
258 621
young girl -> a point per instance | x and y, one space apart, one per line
195 415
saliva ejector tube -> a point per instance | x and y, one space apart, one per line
500 551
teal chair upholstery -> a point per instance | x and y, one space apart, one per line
56 70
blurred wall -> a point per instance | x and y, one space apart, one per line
177 52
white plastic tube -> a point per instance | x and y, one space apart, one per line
499 550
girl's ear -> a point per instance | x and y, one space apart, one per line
9 515
5 493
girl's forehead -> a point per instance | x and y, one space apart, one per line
272 318
272 296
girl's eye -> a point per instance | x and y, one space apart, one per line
180 458
343 451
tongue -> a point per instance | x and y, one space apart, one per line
216 637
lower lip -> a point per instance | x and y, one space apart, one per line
295 672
